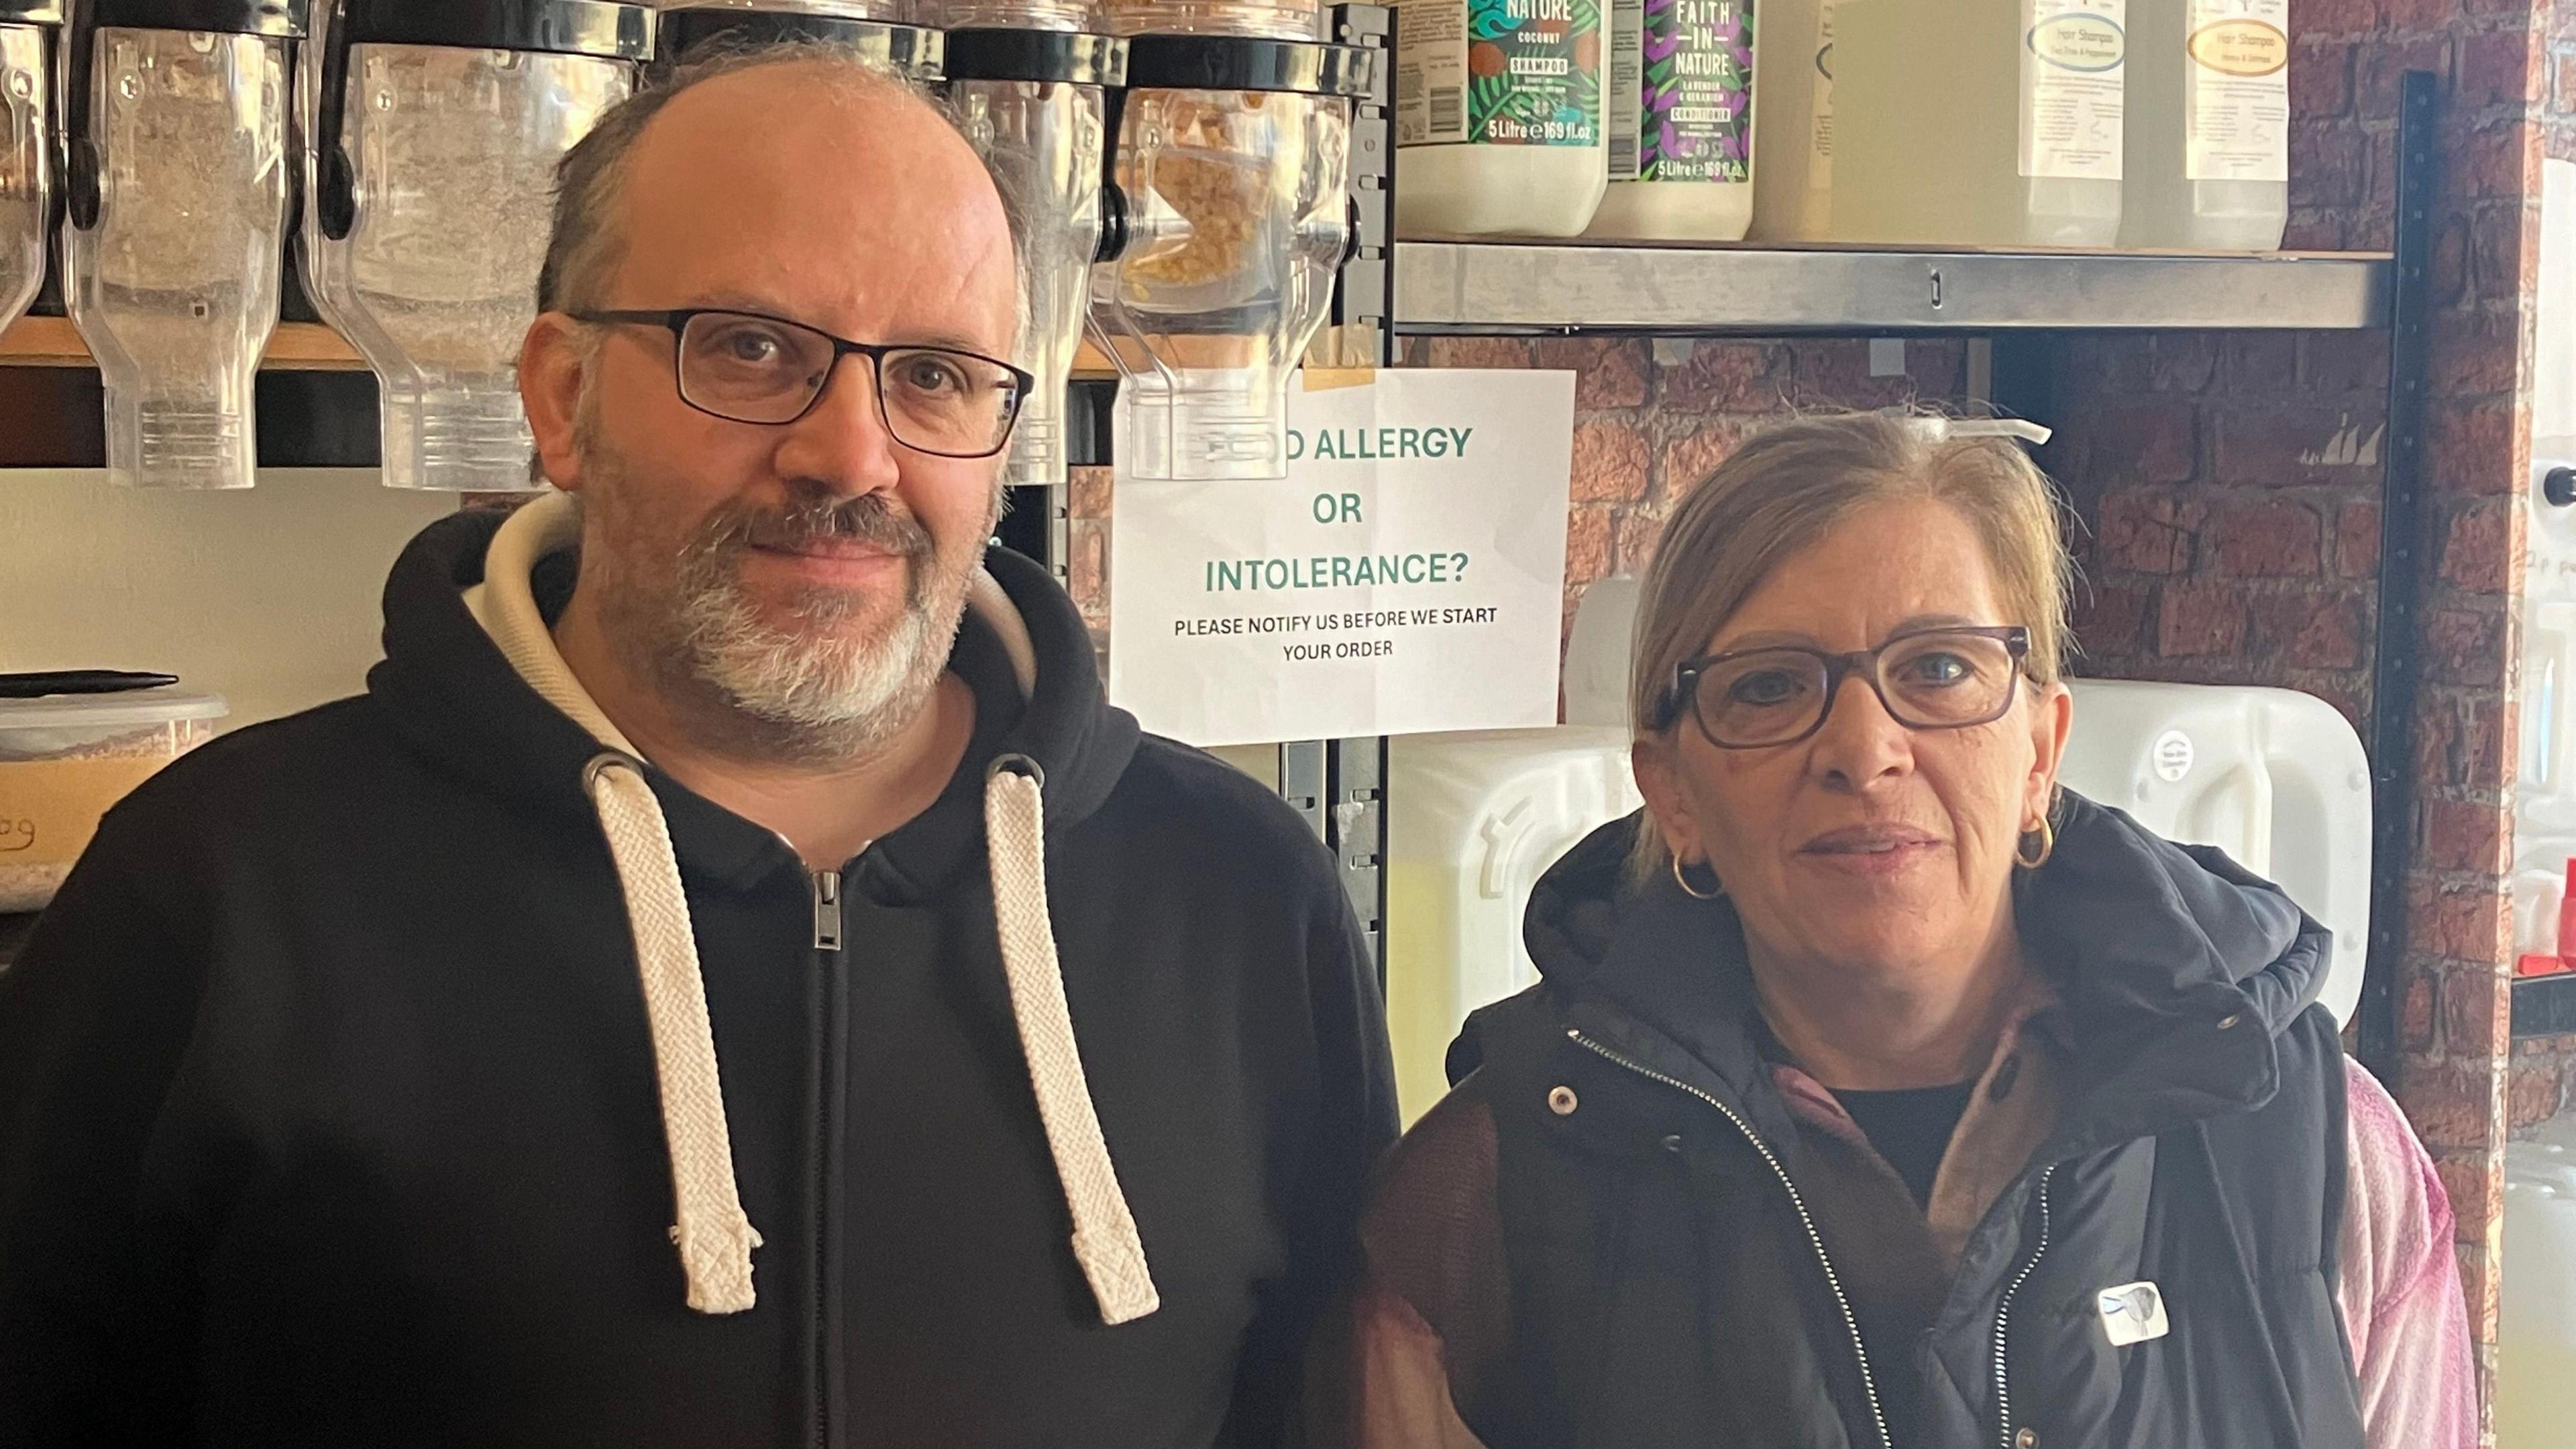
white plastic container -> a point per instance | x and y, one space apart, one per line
1982 123
1499 114
2209 125
65 759
1473 820
1680 109
2275 778
1793 121
2535 1398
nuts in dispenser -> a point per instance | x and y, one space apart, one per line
66 759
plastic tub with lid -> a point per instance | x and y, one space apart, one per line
65 759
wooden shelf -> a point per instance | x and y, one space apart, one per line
53 342
298 346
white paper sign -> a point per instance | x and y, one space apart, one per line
1407 576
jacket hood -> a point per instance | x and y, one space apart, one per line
2176 967
472 679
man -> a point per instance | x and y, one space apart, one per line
731 980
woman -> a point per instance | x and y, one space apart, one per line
1878 1093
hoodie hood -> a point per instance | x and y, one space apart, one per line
2177 969
459 701
473 680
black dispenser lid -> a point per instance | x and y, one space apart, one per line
281 18
906 49
1244 63
601 28
1060 56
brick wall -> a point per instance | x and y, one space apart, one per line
2228 485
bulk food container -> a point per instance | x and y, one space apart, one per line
65 759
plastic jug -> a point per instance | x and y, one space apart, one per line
2209 125
1793 121
1500 118
2535 1397
1984 123
1680 107
1473 820
2275 778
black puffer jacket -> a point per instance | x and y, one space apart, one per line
1656 1274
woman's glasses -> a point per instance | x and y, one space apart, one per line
1934 679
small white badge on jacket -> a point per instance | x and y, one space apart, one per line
2133 1313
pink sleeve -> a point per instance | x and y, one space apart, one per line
2399 1285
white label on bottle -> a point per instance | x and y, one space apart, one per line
1820 105
1431 75
1627 80
2237 102
2074 63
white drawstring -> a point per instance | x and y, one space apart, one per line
1105 1241
715 1238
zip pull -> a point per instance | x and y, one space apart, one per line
827 910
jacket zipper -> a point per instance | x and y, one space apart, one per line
827 945
2003 1312
1815 1240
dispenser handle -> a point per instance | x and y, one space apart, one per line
2558 486
1114 224
79 152
335 203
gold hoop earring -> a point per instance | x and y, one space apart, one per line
2047 834
1683 881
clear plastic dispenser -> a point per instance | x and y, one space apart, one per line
175 181
1232 162
873 28
1035 102
26 151
432 140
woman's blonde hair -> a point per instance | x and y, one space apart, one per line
1790 485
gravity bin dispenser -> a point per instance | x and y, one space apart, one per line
26 150
174 117
1232 168
873 28
1031 90
432 131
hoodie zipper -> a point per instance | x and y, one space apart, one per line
2003 1312
827 947
827 910
1815 1240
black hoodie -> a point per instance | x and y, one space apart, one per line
329 1109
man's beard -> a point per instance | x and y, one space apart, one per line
805 693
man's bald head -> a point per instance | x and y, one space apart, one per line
731 89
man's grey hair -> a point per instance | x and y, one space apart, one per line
586 243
